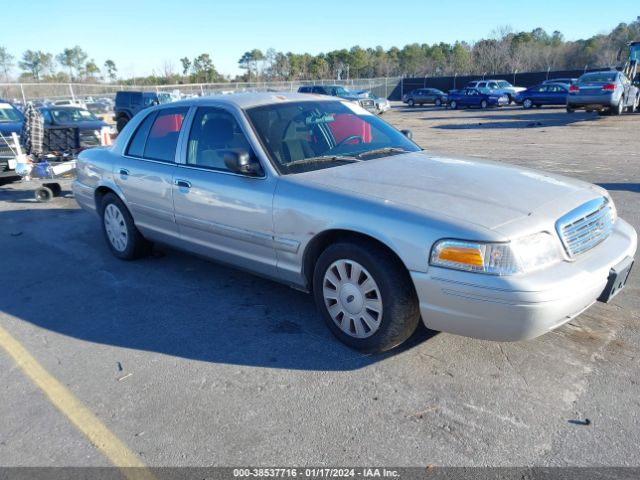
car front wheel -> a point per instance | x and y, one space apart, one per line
121 234
528 103
365 296
411 103
453 104
438 102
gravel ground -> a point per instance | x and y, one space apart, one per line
192 363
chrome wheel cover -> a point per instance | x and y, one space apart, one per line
116 227
352 298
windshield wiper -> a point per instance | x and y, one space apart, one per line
324 158
381 151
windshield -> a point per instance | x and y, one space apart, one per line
598 77
9 114
339 92
306 136
71 115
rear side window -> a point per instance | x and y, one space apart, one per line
136 98
122 98
157 136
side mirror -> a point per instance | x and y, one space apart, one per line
239 161
407 133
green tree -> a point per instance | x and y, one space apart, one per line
203 69
74 59
91 69
186 65
6 62
35 63
110 67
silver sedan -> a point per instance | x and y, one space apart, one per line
326 197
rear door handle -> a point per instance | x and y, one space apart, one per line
124 171
182 183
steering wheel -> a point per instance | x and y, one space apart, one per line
348 139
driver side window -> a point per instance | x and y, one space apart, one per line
213 133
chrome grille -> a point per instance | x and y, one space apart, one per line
586 227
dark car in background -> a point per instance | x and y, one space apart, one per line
472 97
423 96
544 94
88 125
129 103
339 91
608 92
10 122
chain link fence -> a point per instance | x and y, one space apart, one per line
24 92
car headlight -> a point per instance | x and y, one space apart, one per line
510 258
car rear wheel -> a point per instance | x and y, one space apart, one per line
121 234
121 123
570 109
453 104
528 103
411 103
483 104
619 109
365 296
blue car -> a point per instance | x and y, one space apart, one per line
544 94
471 97
10 122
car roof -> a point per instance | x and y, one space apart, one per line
249 100
62 107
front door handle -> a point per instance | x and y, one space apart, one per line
182 183
124 171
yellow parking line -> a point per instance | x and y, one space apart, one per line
97 433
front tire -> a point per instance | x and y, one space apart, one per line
365 296
527 103
411 103
453 105
122 236
438 102
570 109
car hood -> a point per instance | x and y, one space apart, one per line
7 128
488 194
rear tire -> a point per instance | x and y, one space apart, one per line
365 296
43 194
122 236
570 109
121 123
411 103
483 104
618 109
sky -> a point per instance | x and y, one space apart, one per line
141 36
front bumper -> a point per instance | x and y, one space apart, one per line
512 308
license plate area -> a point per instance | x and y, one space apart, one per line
617 280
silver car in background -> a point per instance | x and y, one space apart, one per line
324 196
608 91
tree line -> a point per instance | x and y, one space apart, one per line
503 51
